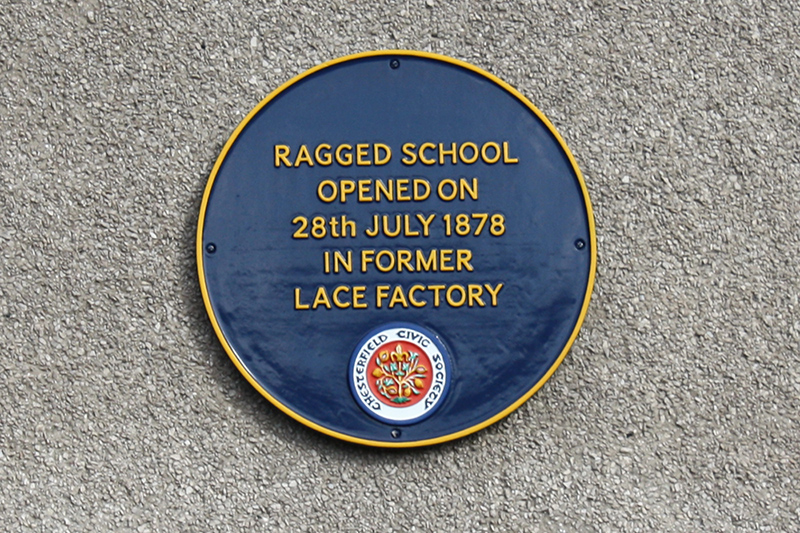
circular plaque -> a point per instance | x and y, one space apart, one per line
396 248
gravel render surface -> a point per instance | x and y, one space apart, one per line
676 410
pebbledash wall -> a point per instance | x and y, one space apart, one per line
675 407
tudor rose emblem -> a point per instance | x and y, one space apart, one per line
399 373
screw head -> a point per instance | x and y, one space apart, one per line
580 244
211 247
396 433
394 63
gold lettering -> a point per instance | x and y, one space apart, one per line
422 148
412 300
445 256
464 189
297 304
463 258
377 154
402 190
426 222
321 298
303 157
321 194
364 188
490 160
398 297
507 159
407 232
379 264
346 187
404 260
343 155
420 196
381 293
449 295
362 154
453 193
493 292
336 291
282 155
380 188
475 153
367 256
451 152
408 150
436 290
429 264
475 292
358 297
322 154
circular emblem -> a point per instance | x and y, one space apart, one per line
414 208
399 373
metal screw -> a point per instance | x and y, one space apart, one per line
394 63
579 244
396 433
211 248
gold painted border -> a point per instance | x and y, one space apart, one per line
309 423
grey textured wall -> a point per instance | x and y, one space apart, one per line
677 408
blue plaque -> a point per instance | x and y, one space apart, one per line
396 248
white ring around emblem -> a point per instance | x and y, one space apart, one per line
400 373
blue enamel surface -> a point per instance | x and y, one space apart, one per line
302 357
